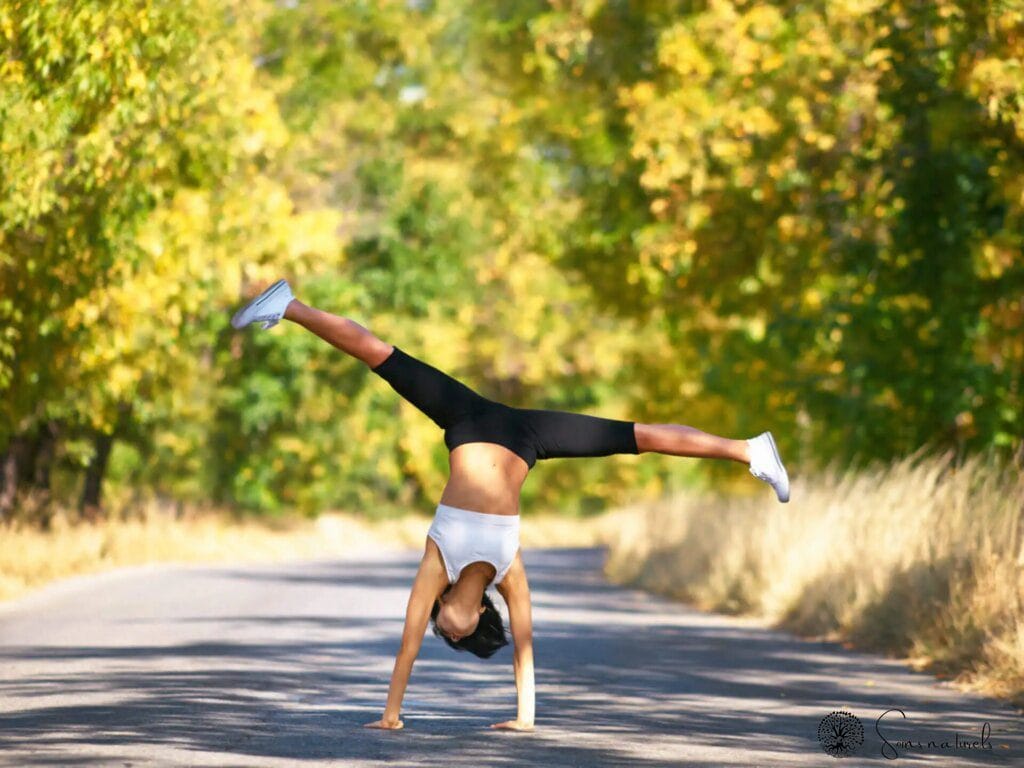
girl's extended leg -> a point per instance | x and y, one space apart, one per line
558 434
442 398
343 333
680 440
562 434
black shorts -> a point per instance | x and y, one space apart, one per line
468 417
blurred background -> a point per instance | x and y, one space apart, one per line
797 216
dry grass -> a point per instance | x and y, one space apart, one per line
30 557
920 559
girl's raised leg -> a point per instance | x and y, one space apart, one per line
681 440
341 332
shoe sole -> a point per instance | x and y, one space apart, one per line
268 294
785 474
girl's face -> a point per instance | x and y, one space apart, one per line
453 623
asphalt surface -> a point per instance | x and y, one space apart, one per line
282 665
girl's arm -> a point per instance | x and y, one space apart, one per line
430 580
516 591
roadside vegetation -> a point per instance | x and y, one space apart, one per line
922 558
156 532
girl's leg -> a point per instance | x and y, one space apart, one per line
562 434
442 398
680 440
558 434
341 332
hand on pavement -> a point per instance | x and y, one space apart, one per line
513 725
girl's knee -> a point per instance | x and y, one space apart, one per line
377 353
642 435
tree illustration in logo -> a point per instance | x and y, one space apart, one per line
840 733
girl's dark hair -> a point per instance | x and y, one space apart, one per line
488 636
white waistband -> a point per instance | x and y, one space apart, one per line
480 517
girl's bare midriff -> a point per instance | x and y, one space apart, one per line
484 477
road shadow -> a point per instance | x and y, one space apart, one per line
622 679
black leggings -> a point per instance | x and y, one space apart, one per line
467 416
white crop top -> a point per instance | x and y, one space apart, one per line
465 536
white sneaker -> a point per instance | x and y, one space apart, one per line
766 465
267 308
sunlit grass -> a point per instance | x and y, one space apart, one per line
30 557
920 559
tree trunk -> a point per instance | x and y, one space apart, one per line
92 492
27 447
8 479
46 449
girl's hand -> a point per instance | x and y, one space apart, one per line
387 725
513 725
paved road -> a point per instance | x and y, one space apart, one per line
280 666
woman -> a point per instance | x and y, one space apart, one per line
474 537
